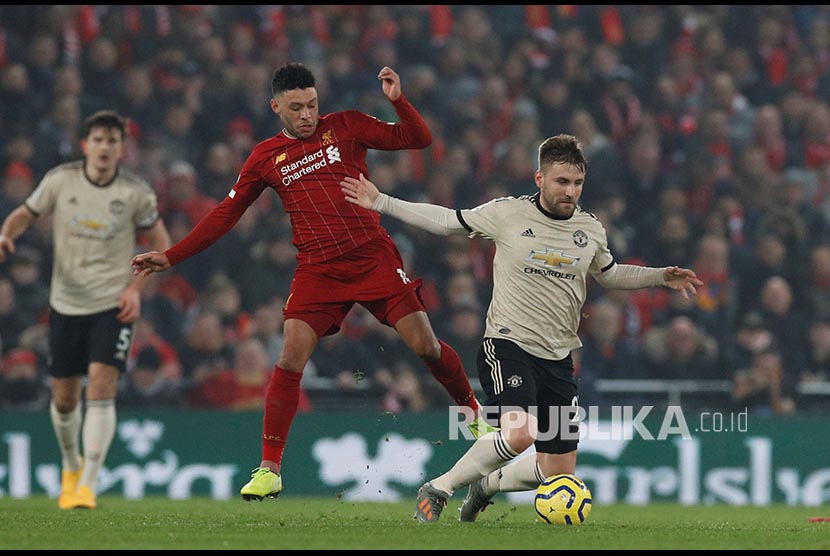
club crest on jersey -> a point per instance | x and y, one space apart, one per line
553 258
327 139
580 238
514 381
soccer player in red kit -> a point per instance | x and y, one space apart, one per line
344 255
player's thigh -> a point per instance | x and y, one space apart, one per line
109 340
558 403
68 355
506 376
299 340
318 300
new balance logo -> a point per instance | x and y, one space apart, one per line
528 233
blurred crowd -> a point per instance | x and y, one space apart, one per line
707 131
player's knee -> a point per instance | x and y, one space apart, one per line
428 348
64 403
293 361
520 440
519 429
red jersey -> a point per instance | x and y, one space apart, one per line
306 174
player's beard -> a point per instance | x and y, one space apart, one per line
563 211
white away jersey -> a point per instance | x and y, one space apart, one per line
539 271
94 234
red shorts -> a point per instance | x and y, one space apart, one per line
323 293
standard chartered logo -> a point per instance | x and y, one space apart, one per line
308 164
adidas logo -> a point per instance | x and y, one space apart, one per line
528 233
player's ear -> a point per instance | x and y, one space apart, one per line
275 106
539 178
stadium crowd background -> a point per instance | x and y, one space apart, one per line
707 130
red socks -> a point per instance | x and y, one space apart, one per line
449 371
281 400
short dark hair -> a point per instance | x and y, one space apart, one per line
292 75
104 118
563 149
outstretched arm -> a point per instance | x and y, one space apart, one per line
632 277
432 218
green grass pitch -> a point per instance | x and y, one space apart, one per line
310 524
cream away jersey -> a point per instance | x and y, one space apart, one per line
95 231
539 271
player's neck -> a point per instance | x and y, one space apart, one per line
100 176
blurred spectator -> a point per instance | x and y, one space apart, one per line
18 183
404 392
818 358
31 293
346 364
605 353
222 296
21 383
270 268
145 336
205 350
786 322
751 338
599 149
12 321
620 109
759 388
672 240
146 386
241 386
718 298
17 113
56 134
817 284
221 166
680 349
182 193
463 329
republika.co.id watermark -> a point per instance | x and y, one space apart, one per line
625 422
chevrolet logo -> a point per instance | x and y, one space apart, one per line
92 225
553 258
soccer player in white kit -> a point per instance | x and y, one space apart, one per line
546 246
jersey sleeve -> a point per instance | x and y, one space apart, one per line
42 200
147 212
411 133
603 259
485 220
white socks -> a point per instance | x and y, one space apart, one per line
98 432
487 453
523 474
68 431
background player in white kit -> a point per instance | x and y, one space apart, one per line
546 246
97 208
